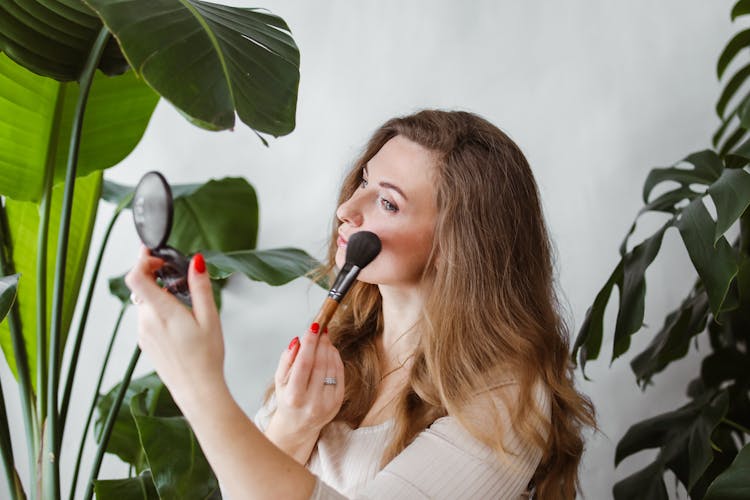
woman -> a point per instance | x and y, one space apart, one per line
446 372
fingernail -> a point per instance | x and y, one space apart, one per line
293 343
315 327
199 263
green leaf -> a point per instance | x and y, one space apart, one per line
730 89
735 45
220 215
734 483
133 488
644 484
731 195
589 339
119 289
23 221
707 167
275 267
632 290
673 340
54 38
179 468
667 202
8 291
716 264
227 59
741 8
35 123
682 436
124 439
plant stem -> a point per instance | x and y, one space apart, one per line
6 450
82 326
31 424
736 426
107 431
94 400
50 458
745 232
42 354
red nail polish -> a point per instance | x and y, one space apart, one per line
199 263
315 327
293 343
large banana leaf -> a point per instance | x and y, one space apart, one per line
218 215
184 474
124 439
53 38
140 487
35 122
211 60
23 219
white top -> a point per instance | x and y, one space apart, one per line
443 461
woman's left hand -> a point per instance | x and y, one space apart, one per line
186 347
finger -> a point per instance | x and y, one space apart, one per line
140 279
340 375
303 364
286 361
201 294
320 369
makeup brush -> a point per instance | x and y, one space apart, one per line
361 249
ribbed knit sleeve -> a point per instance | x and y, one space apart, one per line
445 461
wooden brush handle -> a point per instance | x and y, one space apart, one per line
326 313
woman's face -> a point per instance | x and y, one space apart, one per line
397 201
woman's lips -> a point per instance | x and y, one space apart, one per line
341 241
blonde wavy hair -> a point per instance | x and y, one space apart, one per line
491 311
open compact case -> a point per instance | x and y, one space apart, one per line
153 211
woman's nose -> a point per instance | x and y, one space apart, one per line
350 212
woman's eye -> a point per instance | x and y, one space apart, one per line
362 182
387 205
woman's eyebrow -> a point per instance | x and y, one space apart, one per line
387 185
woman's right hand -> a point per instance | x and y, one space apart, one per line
304 404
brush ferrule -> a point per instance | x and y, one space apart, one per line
344 281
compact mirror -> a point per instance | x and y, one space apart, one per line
152 213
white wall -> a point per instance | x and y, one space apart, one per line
595 93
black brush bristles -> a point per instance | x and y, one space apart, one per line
362 248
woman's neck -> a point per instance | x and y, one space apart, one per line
402 309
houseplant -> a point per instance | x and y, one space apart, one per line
79 82
704 442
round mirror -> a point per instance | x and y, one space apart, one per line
152 210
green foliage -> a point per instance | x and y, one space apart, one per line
733 483
8 288
248 62
698 441
228 61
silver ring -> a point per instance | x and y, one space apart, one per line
329 381
134 299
